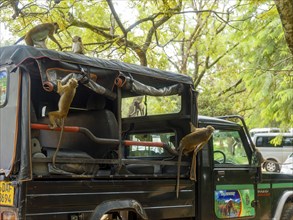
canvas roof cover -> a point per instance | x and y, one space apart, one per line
20 54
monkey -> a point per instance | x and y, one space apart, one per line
57 118
136 107
192 142
262 161
77 46
139 106
38 35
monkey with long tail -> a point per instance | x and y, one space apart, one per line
57 118
192 142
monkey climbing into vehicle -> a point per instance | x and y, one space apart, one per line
37 35
57 118
192 142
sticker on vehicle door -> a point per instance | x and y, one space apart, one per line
234 203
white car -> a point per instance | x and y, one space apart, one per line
263 130
287 166
275 156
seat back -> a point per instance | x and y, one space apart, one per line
100 121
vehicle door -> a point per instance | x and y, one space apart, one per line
233 177
287 144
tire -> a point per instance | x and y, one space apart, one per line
287 213
271 166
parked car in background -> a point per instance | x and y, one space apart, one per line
274 154
263 130
287 166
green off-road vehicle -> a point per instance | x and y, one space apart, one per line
118 158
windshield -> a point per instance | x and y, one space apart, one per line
150 105
228 148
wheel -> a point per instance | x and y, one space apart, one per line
271 166
287 213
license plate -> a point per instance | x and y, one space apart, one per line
6 193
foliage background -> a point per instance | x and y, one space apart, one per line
235 51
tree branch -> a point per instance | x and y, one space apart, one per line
150 18
166 16
237 92
220 57
230 88
208 66
111 6
120 41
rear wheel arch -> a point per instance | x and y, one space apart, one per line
116 206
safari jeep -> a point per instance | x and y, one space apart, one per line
118 153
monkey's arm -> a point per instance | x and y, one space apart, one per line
60 87
54 39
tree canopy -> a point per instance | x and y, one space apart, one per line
239 53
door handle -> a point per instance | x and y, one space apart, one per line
221 174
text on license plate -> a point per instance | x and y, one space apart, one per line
6 193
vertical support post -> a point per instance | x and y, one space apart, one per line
121 146
193 103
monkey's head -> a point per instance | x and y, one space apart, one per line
210 129
73 83
76 39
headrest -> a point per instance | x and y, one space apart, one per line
96 102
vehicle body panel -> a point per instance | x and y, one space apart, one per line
62 199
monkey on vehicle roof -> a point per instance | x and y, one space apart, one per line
77 46
192 142
37 35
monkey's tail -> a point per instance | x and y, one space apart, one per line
178 172
20 39
59 142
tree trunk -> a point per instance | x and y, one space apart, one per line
285 9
